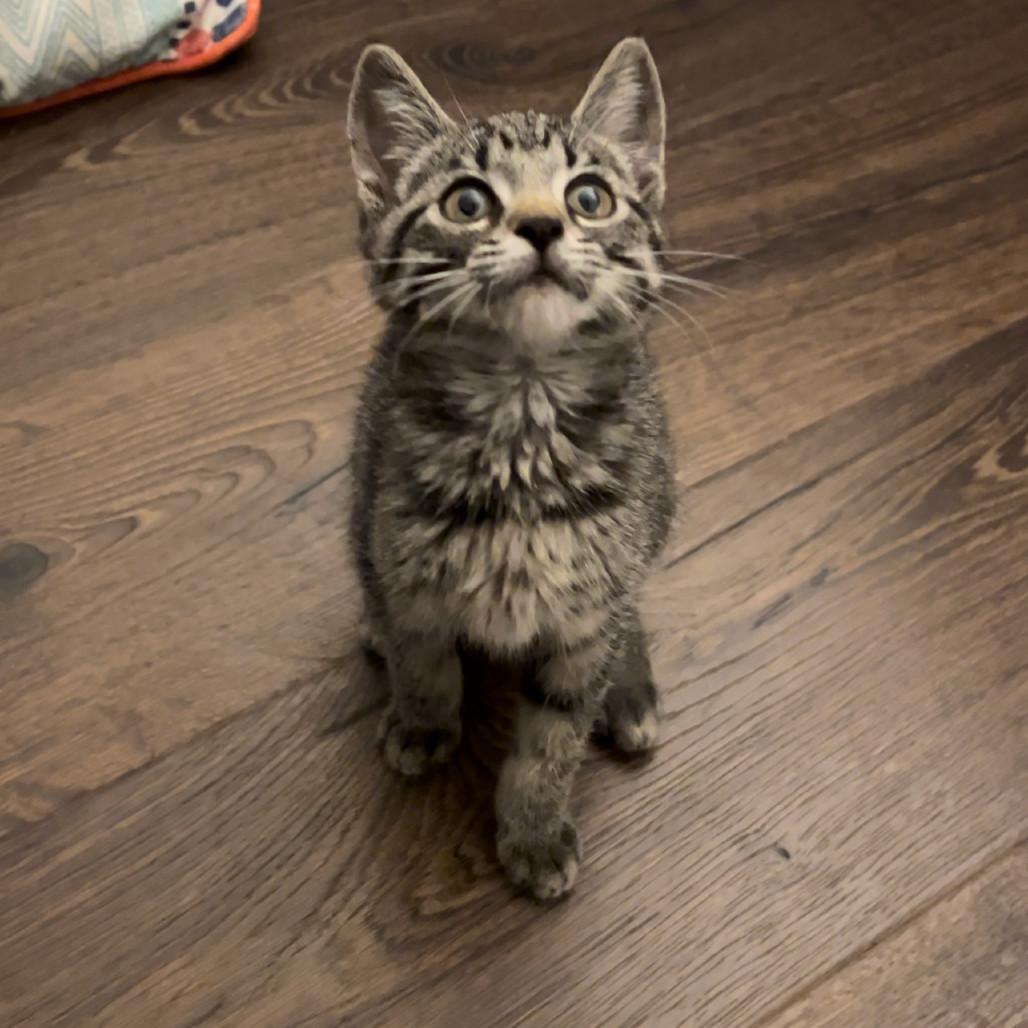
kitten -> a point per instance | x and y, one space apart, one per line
512 467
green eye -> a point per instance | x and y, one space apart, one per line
466 203
590 198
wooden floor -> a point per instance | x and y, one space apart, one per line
195 830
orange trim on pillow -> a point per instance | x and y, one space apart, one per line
147 71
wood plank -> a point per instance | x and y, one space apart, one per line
959 964
816 784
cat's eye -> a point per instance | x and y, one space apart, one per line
589 197
467 202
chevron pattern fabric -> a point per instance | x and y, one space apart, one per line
50 45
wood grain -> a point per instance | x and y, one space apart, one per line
194 828
960 964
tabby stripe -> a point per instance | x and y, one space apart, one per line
622 258
638 302
584 503
641 211
396 247
598 326
584 642
648 220
420 169
424 501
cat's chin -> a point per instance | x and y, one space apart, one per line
542 314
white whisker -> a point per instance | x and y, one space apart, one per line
469 135
706 352
449 298
692 283
428 259
667 280
455 294
461 308
419 293
700 253
413 282
433 276
632 316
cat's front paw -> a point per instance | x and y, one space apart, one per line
414 749
542 862
630 721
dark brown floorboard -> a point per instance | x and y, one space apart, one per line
194 829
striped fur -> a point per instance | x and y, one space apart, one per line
512 467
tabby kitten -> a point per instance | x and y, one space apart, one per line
512 467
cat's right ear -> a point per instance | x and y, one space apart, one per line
624 103
391 116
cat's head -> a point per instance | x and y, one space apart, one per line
530 224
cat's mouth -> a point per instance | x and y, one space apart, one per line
542 275
545 276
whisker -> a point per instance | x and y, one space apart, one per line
461 308
415 281
427 259
694 283
691 292
449 298
432 276
671 281
661 303
487 261
700 253
632 316
454 294
488 299
419 293
470 134
692 319
706 352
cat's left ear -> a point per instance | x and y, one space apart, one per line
624 104
391 117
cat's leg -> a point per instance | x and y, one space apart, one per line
421 725
371 628
631 706
536 840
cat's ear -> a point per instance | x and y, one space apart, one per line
624 104
391 116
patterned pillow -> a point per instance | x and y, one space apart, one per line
57 50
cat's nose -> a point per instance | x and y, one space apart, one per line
540 230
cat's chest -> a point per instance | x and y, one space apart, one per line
517 446
517 440
512 524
